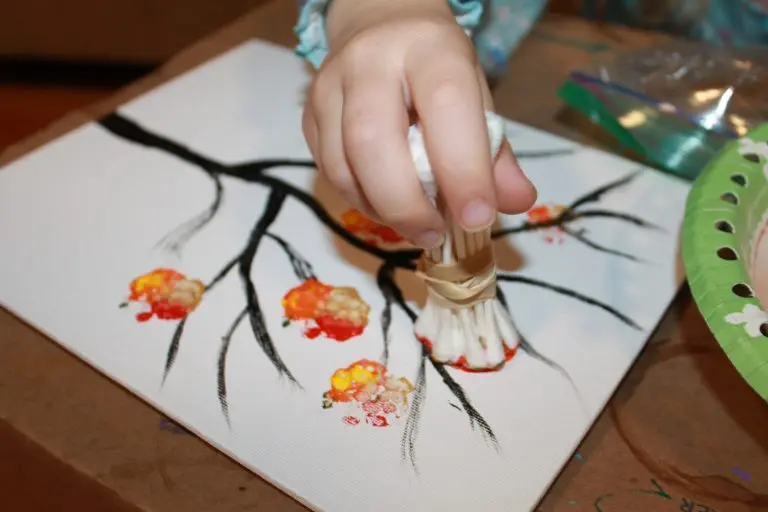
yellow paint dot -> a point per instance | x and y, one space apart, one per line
362 375
341 380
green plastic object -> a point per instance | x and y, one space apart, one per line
725 218
581 99
664 141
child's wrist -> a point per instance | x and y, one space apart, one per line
345 18
328 24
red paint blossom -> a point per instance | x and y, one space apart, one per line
547 213
350 420
377 421
169 294
367 385
461 363
338 313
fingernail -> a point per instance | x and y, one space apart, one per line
477 215
428 239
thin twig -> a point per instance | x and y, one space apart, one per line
571 294
385 281
301 267
411 429
601 248
173 349
596 195
175 241
255 314
221 365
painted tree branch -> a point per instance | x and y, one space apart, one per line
600 248
571 294
529 349
385 280
301 267
221 364
279 192
255 315
254 172
173 349
390 290
572 213
175 241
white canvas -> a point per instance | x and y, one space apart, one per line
82 217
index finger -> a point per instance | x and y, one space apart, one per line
448 97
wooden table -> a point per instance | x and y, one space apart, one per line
682 430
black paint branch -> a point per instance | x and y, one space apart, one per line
255 314
173 348
600 248
596 195
475 418
386 282
175 241
221 364
301 267
133 132
223 273
253 172
608 214
397 258
571 213
529 349
571 294
411 429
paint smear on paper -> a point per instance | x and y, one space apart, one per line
169 294
740 472
171 426
372 232
372 393
546 213
461 362
338 313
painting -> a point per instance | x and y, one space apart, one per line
185 246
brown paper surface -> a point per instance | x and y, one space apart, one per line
148 31
682 431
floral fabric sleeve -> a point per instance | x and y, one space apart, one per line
497 27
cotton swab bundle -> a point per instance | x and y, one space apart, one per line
463 323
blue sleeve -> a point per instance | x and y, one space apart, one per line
506 24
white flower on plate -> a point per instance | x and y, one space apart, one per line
752 317
748 146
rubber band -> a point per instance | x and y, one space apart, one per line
461 284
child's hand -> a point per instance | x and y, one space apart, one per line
388 58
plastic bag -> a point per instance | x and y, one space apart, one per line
675 104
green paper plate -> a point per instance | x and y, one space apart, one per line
725 219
